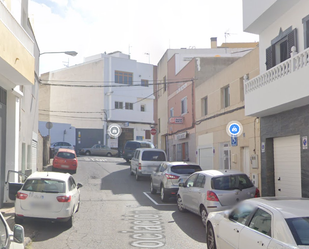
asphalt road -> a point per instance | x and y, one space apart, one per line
119 212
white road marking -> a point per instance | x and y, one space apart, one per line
156 202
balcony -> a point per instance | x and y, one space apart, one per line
16 51
283 87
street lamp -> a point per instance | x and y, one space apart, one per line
72 53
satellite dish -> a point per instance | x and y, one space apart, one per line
49 125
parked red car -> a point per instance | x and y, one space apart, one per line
65 160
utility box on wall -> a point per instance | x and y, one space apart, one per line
255 180
254 161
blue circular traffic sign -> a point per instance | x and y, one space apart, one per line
234 129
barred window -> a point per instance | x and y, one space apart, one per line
123 78
144 83
129 106
118 105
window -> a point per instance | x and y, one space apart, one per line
129 106
118 105
241 87
144 83
172 112
123 78
204 106
241 213
299 227
200 181
280 48
143 108
159 125
191 180
225 96
184 106
306 31
261 222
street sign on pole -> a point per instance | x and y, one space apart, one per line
153 131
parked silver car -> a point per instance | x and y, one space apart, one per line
214 190
168 175
99 150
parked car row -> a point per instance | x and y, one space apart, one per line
230 206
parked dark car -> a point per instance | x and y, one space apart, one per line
132 145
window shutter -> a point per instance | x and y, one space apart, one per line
292 41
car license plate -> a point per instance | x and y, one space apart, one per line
65 166
40 205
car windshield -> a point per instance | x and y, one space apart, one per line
185 169
66 155
153 156
230 182
44 185
132 146
300 229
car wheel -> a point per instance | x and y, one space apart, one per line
88 153
152 189
136 176
18 220
204 216
180 204
109 154
210 237
164 197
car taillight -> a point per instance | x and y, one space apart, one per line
64 198
169 176
211 196
139 166
257 193
21 196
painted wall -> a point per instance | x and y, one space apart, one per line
213 125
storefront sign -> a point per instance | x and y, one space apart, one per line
176 120
181 136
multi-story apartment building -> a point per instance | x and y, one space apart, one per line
279 95
105 89
220 101
18 92
176 75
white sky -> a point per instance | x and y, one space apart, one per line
136 26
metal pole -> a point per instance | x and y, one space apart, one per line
105 127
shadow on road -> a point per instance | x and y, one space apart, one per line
190 228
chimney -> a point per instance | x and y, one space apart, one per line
213 42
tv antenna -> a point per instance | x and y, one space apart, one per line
226 34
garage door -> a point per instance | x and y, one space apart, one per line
287 166
206 158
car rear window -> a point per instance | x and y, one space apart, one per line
300 228
132 146
153 156
185 169
147 145
230 182
66 155
44 185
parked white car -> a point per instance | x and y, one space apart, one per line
11 239
257 223
49 196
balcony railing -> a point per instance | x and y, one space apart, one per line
296 62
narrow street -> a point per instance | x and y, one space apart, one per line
119 212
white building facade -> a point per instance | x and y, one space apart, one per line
18 93
116 90
279 96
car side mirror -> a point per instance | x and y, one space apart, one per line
79 185
226 214
19 234
181 184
